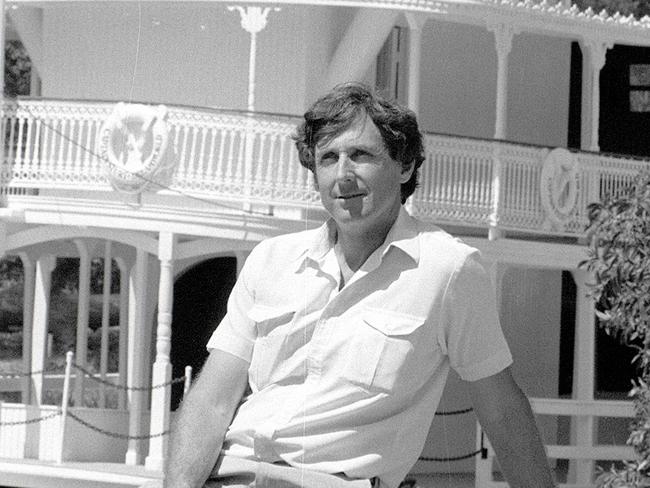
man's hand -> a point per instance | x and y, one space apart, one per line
505 414
204 418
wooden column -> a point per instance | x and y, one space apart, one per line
503 35
162 368
583 427
44 267
83 313
136 359
124 330
29 281
594 56
106 310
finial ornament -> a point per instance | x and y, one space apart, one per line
253 19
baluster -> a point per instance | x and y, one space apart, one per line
89 153
20 119
181 137
191 172
37 154
211 174
230 170
59 166
239 169
29 144
46 155
203 155
282 162
12 133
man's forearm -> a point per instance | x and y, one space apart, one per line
204 418
518 446
195 443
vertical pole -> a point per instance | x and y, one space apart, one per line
124 330
136 361
65 399
3 28
44 267
583 427
106 303
416 24
83 311
162 368
595 54
188 380
29 280
503 34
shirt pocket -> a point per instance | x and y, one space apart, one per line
272 324
381 356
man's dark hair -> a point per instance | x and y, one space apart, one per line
336 111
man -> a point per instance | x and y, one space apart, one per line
346 333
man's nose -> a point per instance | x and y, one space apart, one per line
344 170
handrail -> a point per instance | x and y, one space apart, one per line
243 158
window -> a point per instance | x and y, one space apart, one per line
392 62
640 88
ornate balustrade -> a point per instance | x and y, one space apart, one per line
250 158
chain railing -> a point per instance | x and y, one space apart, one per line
482 450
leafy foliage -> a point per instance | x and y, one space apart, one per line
17 69
638 8
619 258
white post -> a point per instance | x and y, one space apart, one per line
136 361
583 427
44 267
124 330
503 34
65 399
29 280
106 303
83 311
188 380
253 21
594 58
162 368
416 24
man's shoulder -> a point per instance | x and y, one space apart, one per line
286 246
437 243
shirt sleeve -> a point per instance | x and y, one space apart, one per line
236 333
471 334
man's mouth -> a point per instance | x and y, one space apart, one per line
350 196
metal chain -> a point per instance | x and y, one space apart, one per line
31 421
454 412
114 434
31 373
98 379
455 458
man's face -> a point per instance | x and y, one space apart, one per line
358 181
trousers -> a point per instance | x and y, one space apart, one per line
232 472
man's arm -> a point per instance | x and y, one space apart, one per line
505 414
204 418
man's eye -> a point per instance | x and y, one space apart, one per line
327 159
360 155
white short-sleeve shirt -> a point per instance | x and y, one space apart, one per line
349 381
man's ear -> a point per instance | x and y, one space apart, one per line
407 172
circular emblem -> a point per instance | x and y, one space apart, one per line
559 185
132 144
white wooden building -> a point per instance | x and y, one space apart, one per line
158 136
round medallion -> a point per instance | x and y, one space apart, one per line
559 186
132 145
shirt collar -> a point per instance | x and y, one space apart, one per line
402 235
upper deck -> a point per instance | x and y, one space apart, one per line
243 167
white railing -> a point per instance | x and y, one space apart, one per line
250 158
576 409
